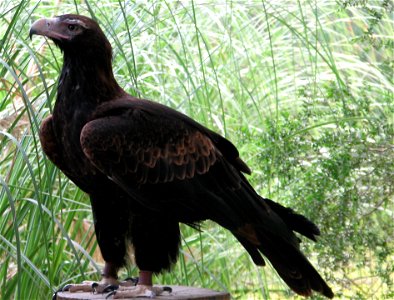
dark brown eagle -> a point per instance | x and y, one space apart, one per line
147 167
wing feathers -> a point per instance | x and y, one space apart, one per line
153 112
127 147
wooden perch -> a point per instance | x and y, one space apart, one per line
178 293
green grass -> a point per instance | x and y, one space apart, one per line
304 89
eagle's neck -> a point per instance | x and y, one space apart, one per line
87 79
84 83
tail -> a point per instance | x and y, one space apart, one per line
274 238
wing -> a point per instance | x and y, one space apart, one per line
49 143
61 158
144 142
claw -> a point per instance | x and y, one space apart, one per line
54 296
133 280
167 289
66 288
106 285
113 293
110 288
98 288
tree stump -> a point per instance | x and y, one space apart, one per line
178 293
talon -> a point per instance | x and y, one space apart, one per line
54 296
110 288
134 280
94 286
66 288
113 293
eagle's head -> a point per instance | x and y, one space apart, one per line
87 55
73 34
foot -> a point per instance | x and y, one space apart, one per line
139 291
107 284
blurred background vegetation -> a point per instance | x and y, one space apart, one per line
303 88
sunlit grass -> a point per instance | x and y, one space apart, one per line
304 89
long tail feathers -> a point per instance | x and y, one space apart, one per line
292 266
281 247
294 221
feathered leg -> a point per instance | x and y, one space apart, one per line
156 243
112 229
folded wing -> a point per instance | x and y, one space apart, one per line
150 143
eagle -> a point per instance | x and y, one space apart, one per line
147 168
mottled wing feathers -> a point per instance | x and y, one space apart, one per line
146 146
163 115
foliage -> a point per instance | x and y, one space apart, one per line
304 89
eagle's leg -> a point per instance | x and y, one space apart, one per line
111 236
156 242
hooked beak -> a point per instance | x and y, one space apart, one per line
49 27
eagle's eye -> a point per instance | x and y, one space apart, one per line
72 27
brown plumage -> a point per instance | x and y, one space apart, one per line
147 167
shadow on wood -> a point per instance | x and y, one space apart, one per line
178 293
